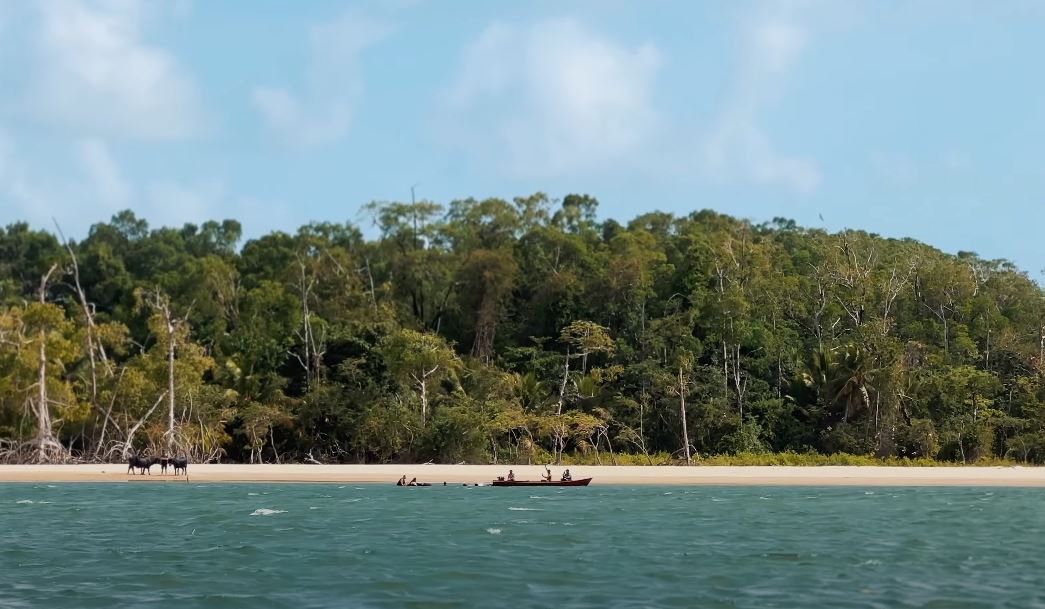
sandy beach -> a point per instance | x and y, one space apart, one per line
602 475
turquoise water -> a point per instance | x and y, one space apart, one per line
301 546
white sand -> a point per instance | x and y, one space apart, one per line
437 474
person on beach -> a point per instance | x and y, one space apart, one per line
401 481
566 477
511 475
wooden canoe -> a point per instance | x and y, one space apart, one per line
578 482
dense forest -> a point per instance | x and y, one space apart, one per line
521 331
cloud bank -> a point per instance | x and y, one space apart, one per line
553 98
322 111
97 76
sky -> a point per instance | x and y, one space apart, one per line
922 119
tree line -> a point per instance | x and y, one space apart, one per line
512 331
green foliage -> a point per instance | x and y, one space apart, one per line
521 331
819 459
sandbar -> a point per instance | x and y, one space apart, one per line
601 475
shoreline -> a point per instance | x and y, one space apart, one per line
827 475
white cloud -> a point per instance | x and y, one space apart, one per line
738 148
95 191
776 45
104 174
89 186
16 186
553 98
28 195
323 111
97 75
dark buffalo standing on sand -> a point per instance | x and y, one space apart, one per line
141 463
182 464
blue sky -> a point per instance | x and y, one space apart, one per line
909 119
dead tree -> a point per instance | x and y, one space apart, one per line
315 350
94 346
129 442
171 327
682 414
47 447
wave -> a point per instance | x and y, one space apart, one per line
266 512
493 531
25 501
523 509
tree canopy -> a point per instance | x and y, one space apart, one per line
493 330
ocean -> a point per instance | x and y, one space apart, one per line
327 545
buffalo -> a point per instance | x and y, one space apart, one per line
141 463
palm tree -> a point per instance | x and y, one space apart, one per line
532 392
839 378
851 380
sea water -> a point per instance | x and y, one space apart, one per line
256 546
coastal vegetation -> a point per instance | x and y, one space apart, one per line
515 331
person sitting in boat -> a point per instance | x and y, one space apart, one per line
548 475
511 476
566 477
401 481
413 482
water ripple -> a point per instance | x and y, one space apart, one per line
191 547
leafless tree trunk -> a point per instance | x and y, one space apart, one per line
370 279
170 380
134 428
171 325
312 362
108 417
559 432
47 447
422 387
95 349
44 435
682 414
